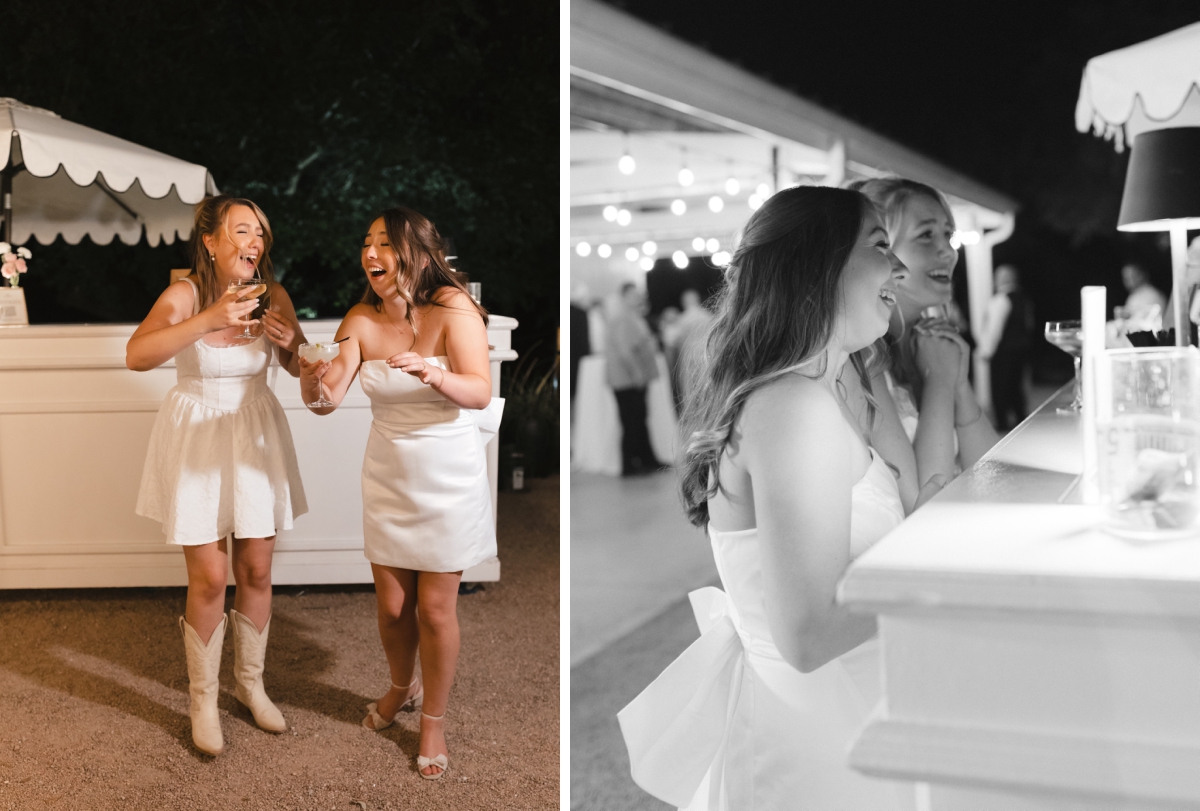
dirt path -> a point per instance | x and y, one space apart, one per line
93 698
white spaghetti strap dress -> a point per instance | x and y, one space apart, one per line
221 458
427 504
731 726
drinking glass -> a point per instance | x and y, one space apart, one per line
313 353
1068 336
1148 441
248 289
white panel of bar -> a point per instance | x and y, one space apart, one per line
74 427
1033 661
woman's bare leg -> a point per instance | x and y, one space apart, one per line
396 600
252 574
207 568
437 618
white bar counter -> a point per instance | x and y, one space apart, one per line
74 427
1031 660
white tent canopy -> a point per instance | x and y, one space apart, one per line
1148 86
73 180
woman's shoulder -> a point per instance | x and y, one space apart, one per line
791 399
451 298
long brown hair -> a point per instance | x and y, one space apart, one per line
210 217
415 239
775 314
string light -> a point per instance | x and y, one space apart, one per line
583 249
624 217
686 176
754 201
732 187
712 246
698 244
763 191
647 263
649 247
604 251
721 258
680 259
678 207
627 165
631 253
610 213
715 203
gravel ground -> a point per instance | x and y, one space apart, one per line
93 697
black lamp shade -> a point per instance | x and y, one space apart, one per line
1163 181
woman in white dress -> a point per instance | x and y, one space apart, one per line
419 342
953 432
221 463
760 711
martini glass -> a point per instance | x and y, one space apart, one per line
317 352
1068 336
248 289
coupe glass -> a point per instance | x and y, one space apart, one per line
1068 336
248 289
316 352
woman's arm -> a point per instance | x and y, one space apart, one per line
333 378
470 384
797 449
938 361
976 436
283 329
889 439
170 326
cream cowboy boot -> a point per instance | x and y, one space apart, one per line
204 663
249 651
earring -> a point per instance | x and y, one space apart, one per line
212 256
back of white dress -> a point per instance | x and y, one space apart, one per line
765 735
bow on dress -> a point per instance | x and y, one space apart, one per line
676 728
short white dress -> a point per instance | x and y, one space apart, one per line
221 458
427 504
731 726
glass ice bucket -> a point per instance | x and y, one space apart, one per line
1148 441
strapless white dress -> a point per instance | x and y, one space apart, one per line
427 504
221 458
731 726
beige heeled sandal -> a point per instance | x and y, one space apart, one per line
412 702
439 761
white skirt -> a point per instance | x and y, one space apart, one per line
210 473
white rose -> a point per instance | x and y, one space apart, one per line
5 247
24 253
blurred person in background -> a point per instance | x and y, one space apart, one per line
630 362
679 340
1005 344
580 340
1145 301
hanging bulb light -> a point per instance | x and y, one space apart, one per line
583 249
627 165
712 246
624 217
678 207
754 201
763 191
721 258
715 203
649 247
698 244
632 254
686 176
647 263
680 259
604 251
610 213
732 187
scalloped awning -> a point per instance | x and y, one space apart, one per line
1148 86
73 180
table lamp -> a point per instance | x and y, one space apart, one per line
1162 193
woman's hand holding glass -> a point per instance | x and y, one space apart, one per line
231 311
315 362
281 330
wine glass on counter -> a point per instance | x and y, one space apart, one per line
246 290
316 352
1068 336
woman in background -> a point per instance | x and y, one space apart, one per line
420 344
221 467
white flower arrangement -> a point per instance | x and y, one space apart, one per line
13 263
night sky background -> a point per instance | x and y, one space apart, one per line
988 89
324 113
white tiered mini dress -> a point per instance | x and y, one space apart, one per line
427 504
221 458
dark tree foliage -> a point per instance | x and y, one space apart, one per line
324 113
